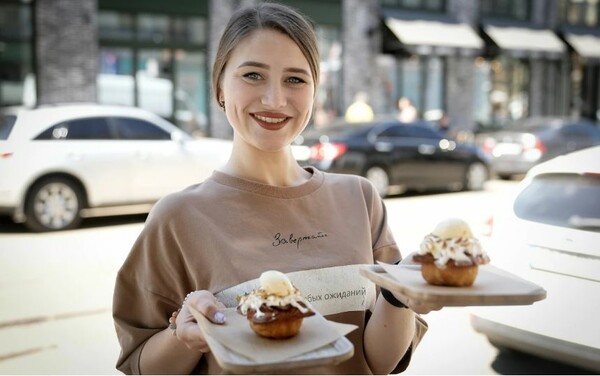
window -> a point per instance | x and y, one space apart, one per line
560 199
135 129
509 9
156 62
7 122
580 12
16 51
418 5
80 129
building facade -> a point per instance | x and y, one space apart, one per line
481 63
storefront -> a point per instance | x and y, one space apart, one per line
431 60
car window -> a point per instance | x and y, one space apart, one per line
135 129
78 129
581 130
395 131
566 200
7 122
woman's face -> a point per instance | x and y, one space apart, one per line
268 90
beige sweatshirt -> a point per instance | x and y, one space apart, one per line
221 234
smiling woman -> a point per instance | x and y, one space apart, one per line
204 246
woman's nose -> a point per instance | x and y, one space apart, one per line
274 96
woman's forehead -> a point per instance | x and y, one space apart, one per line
270 47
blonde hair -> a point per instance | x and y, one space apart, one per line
270 16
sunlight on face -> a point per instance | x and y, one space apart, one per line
268 90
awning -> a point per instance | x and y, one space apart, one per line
586 45
526 42
425 36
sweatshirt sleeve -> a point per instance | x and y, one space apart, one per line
148 289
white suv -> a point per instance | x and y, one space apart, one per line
61 163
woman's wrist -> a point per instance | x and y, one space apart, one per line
391 299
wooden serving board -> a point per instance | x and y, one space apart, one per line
492 287
239 350
331 354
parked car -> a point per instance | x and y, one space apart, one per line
397 157
548 232
525 143
61 163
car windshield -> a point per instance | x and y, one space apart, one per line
6 125
566 200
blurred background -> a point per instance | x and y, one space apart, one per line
493 88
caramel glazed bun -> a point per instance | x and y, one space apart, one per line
450 261
274 316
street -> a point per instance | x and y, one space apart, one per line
56 292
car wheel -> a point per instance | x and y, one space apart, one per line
53 204
475 176
380 179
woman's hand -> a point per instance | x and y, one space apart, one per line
188 330
417 306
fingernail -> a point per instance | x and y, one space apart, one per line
219 317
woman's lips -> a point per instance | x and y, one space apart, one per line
271 121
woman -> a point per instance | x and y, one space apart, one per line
261 211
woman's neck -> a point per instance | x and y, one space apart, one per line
277 168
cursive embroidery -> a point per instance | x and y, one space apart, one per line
281 239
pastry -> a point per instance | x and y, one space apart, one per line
276 309
450 255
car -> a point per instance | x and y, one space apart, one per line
523 144
548 232
397 157
61 163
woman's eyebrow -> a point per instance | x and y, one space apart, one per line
266 66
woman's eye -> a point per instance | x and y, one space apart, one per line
296 80
252 76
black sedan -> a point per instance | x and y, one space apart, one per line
528 142
397 157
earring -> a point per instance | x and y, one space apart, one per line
222 104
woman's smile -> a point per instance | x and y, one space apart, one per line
270 121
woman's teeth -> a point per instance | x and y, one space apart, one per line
269 119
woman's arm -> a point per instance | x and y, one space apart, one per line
178 352
388 335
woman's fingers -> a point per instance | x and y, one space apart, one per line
206 303
188 331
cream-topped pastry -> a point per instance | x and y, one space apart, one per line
451 245
277 308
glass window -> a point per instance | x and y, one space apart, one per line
580 12
16 78
411 81
115 82
135 129
509 93
328 103
189 30
423 5
510 9
191 100
80 129
7 122
433 107
564 200
115 25
153 28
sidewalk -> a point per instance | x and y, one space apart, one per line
56 295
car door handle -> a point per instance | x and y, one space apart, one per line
384 146
426 149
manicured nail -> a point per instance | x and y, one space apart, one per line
219 317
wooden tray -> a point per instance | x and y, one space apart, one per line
332 353
492 287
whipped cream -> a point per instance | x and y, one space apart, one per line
462 249
276 291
